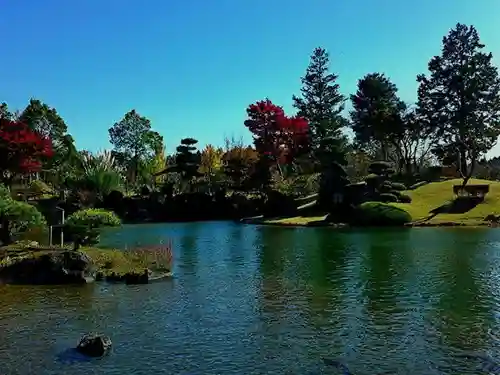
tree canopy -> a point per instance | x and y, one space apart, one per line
460 99
321 104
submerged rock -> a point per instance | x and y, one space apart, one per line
56 267
94 345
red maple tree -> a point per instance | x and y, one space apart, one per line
275 134
21 149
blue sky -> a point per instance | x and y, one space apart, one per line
193 66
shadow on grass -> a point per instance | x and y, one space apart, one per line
459 205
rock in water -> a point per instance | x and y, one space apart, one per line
94 345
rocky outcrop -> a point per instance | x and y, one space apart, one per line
94 345
54 267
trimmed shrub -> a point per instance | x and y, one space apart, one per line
404 198
386 187
417 185
388 197
18 217
380 214
398 186
21 217
398 194
83 225
94 218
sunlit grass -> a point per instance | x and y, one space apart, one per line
425 199
296 220
435 194
107 261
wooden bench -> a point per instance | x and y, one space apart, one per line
471 190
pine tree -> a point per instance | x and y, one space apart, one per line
460 99
377 115
321 104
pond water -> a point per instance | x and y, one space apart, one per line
267 300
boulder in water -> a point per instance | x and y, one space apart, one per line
94 345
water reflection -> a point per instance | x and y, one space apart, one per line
252 300
463 308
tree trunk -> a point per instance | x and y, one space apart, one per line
5 237
469 172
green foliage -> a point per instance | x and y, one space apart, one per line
388 197
381 168
376 115
100 174
460 99
93 218
133 138
4 193
321 103
46 121
187 160
4 112
296 186
404 198
84 225
39 187
22 215
380 214
398 186
17 217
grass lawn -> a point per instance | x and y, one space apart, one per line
296 220
425 199
435 194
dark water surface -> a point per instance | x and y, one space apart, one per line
264 300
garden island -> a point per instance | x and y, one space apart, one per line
382 163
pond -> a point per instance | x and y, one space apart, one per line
257 300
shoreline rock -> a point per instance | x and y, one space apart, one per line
53 268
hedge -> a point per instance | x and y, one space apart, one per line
380 214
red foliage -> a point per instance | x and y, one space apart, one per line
276 134
21 149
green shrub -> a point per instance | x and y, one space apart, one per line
398 186
83 226
385 187
4 192
93 218
19 216
39 187
387 197
404 198
397 193
380 214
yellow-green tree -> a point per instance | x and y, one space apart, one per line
157 164
211 163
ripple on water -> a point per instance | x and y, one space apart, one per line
259 300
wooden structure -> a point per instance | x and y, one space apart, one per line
478 191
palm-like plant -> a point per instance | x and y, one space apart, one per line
100 173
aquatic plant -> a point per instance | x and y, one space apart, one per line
160 256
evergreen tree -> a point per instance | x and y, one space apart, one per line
187 161
133 137
460 98
377 115
321 104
